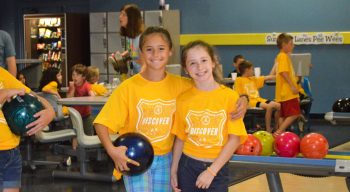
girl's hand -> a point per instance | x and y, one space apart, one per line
120 159
173 181
204 180
44 117
12 92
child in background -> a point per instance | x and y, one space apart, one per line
287 93
250 85
238 59
21 78
79 87
92 77
10 155
50 82
206 138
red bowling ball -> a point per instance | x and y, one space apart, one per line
287 144
314 146
251 146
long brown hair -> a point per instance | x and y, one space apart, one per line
134 27
217 71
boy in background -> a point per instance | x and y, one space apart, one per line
249 84
238 59
287 93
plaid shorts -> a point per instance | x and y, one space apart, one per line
156 178
10 169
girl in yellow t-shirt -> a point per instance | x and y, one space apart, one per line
50 83
206 138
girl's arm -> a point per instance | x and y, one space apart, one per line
206 177
177 151
241 108
44 117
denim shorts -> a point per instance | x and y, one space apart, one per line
189 170
10 168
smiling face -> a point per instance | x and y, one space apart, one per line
155 51
199 65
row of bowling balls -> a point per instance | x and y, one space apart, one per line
342 105
287 144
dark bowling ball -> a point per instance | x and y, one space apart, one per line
19 112
337 106
139 149
341 105
346 105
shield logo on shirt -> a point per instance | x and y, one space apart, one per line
205 127
155 118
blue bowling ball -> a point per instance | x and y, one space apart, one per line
139 149
19 112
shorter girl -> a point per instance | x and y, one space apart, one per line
50 83
206 138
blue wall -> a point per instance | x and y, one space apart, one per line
331 65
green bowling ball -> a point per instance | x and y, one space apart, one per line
266 139
19 112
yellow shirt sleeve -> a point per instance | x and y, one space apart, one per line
179 125
99 89
260 82
51 87
115 112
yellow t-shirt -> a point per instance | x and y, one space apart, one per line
283 90
99 89
250 86
51 87
8 140
146 107
202 121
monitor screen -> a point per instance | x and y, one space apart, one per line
301 63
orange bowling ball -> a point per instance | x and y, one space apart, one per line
251 146
314 146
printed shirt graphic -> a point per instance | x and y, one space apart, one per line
205 127
202 121
155 118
